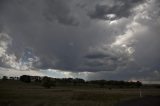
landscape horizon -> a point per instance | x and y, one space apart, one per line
79 52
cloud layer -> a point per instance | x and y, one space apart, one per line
117 37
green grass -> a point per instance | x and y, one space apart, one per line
16 93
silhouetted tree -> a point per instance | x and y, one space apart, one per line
138 84
25 78
78 81
46 82
102 83
5 78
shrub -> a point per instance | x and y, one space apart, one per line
46 82
4 78
25 78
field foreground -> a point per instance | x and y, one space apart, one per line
145 101
16 93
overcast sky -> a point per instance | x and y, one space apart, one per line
90 39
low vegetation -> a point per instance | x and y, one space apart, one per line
47 82
69 92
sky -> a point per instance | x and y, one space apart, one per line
89 39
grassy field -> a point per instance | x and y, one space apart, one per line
16 93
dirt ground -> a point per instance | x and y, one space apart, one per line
144 101
17 93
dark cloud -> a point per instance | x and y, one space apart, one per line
96 55
51 10
59 10
58 34
121 8
105 60
57 45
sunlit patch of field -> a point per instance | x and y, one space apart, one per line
16 93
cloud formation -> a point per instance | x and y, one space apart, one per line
9 60
107 37
60 11
119 9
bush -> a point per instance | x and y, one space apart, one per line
138 84
25 78
5 78
46 82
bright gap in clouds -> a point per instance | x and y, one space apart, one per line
65 74
16 73
10 60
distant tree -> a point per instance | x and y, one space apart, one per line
38 79
78 81
138 84
5 78
102 83
25 78
46 82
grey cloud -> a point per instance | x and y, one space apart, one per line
62 36
121 8
106 59
51 10
146 58
59 10
144 75
96 55
58 46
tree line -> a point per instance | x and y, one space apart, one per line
48 82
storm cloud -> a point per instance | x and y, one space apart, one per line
107 38
119 9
